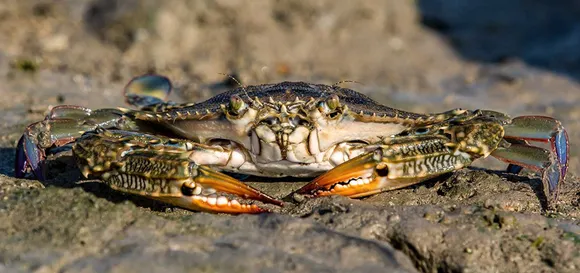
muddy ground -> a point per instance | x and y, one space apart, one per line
519 57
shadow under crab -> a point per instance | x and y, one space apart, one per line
353 146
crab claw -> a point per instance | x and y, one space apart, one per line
29 155
361 176
223 185
200 189
161 168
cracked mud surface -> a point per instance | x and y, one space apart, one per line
474 220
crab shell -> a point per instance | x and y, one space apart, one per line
285 129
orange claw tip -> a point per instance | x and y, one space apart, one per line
348 173
223 205
213 204
225 183
244 209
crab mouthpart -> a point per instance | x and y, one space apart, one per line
357 177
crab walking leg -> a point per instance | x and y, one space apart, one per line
391 166
61 126
552 164
160 168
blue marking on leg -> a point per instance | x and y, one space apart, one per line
561 146
515 169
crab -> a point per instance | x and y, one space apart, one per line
352 145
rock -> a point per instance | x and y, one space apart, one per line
70 230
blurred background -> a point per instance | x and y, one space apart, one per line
519 56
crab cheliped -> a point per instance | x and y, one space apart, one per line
177 153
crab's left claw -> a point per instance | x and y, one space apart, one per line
355 178
552 164
390 167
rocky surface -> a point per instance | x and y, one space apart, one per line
515 57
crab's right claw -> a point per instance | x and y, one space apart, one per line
28 155
354 178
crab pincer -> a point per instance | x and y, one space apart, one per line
404 161
389 167
160 168
211 191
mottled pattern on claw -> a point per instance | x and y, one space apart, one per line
387 169
160 168
147 90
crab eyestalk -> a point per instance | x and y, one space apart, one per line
333 102
237 105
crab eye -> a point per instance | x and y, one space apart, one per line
237 105
333 102
330 107
421 131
